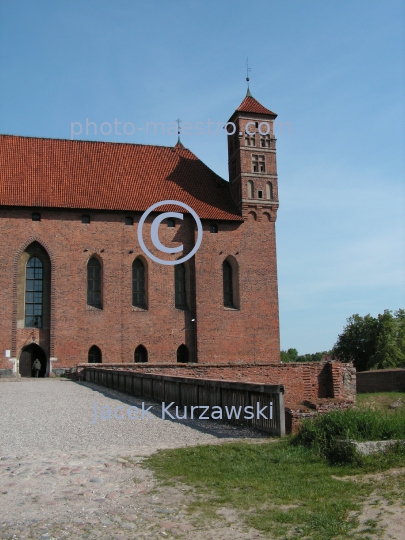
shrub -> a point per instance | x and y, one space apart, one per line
322 432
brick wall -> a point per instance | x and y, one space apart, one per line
305 383
223 335
381 380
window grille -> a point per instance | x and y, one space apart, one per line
33 293
94 283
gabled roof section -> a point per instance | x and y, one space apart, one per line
59 173
251 105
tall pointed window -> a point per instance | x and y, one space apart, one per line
94 283
180 286
140 355
94 356
33 293
227 283
138 284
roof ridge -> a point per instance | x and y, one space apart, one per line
87 141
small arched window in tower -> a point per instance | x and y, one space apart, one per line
94 283
94 356
138 284
269 191
180 286
33 293
182 354
140 355
227 283
259 194
250 189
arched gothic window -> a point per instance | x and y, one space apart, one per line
140 355
94 283
250 189
182 354
269 190
33 293
228 285
94 356
180 286
138 284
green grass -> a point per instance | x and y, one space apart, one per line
287 488
379 401
259 479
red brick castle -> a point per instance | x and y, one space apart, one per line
75 284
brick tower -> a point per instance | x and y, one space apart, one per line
252 159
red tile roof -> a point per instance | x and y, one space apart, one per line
251 105
58 173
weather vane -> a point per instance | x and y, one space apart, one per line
247 76
178 129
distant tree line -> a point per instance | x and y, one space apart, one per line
369 342
292 356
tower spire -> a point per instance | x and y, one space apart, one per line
247 77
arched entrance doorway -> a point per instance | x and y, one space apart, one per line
27 358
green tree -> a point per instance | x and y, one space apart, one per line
289 356
389 346
373 343
315 357
357 341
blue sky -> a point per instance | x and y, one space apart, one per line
333 70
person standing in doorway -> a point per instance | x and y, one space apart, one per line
36 366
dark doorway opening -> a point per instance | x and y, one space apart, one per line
182 354
141 354
94 356
27 358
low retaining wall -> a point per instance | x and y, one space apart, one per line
381 380
199 392
311 382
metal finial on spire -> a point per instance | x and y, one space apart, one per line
247 77
178 129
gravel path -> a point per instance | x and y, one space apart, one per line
63 477
56 414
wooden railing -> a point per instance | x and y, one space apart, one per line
264 401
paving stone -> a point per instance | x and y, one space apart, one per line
128 526
97 480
